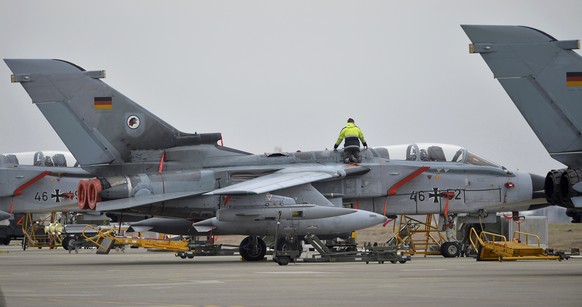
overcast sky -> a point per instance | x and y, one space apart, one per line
287 74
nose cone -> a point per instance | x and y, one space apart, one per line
363 219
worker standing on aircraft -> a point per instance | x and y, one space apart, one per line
353 135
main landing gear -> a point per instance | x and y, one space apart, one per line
252 248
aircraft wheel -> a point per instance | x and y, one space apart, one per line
66 242
450 249
252 248
6 241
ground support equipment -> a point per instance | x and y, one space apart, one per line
107 238
414 236
36 234
495 247
379 254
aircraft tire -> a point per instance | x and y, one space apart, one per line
66 243
250 251
450 249
6 241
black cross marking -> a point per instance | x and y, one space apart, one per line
435 194
57 195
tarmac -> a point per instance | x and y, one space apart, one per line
140 278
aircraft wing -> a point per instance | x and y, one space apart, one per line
289 177
127 203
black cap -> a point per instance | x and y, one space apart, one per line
350 120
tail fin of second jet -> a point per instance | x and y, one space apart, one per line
543 77
98 124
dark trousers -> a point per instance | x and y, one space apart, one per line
352 154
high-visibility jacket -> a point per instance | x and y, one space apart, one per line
352 134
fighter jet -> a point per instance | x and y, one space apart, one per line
38 182
141 164
543 77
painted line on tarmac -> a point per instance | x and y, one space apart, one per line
194 282
422 270
291 273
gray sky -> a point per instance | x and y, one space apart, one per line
288 74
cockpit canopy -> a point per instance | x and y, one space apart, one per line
434 153
39 158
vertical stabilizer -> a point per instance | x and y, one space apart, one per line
97 123
543 77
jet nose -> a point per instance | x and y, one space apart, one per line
367 219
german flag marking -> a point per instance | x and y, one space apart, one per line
574 79
102 103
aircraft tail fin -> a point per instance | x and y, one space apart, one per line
98 124
543 77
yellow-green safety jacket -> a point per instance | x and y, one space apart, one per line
352 134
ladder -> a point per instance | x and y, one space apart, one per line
418 237
33 232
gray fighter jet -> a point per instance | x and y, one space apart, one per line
39 182
543 77
143 165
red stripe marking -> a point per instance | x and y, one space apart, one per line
30 182
20 220
392 191
161 166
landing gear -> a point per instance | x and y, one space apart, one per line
252 248
450 249
66 243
